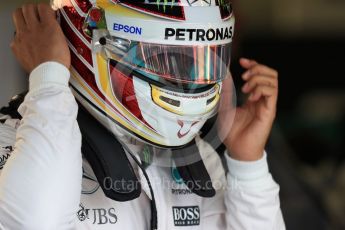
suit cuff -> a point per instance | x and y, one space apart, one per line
248 171
48 74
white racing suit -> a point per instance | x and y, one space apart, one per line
45 183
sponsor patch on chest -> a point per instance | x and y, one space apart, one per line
97 216
186 215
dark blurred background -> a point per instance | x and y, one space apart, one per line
305 41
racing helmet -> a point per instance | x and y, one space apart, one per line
151 69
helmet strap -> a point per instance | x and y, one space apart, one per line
108 159
195 175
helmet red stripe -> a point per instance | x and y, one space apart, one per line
124 90
76 42
76 20
84 5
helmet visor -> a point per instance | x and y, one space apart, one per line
200 64
186 64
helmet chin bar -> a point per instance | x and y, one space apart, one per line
107 157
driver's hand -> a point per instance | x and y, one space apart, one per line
38 37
